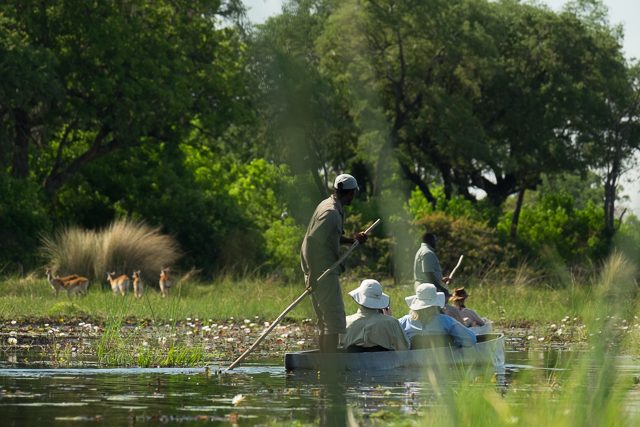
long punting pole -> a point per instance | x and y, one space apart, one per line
297 300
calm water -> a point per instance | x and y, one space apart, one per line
250 395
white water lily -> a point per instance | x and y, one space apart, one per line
12 341
237 399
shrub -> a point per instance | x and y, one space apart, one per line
480 245
283 239
555 226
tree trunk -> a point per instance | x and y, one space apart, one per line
516 214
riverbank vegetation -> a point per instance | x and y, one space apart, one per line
482 126
232 313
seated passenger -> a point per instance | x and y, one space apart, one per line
369 329
469 317
426 318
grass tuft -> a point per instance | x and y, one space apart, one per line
123 246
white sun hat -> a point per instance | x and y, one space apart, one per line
345 182
369 294
427 295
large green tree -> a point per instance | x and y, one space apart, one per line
474 93
305 117
90 78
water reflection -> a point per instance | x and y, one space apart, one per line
185 396
255 394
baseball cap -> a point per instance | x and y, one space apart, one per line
345 181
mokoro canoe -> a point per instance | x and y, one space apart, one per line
485 329
488 351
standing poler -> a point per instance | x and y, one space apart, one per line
426 266
426 269
320 250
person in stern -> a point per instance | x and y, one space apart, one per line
369 329
426 325
320 250
469 316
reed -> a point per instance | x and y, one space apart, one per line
123 246
591 393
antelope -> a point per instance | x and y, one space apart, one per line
165 281
119 284
78 285
73 283
137 284
56 283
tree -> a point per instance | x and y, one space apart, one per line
124 74
474 93
305 116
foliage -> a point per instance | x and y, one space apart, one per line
283 240
302 112
122 247
627 239
454 206
23 217
170 113
112 61
481 247
554 222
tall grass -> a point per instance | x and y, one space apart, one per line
123 246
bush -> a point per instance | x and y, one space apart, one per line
481 247
553 225
123 247
283 239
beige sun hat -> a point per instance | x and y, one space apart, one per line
369 294
427 295
345 181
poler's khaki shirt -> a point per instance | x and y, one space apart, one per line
426 267
321 244
369 328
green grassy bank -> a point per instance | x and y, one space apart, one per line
31 297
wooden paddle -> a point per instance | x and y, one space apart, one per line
297 300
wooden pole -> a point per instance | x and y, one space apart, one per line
456 267
306 292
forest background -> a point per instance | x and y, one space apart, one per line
505 127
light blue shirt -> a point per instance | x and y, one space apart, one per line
440 324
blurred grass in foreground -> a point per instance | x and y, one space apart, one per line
591 393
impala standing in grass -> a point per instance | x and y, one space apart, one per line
72 283
120 284
165 281
137 284
77 285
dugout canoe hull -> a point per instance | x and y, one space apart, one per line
489 351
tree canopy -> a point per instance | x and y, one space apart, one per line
226 136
